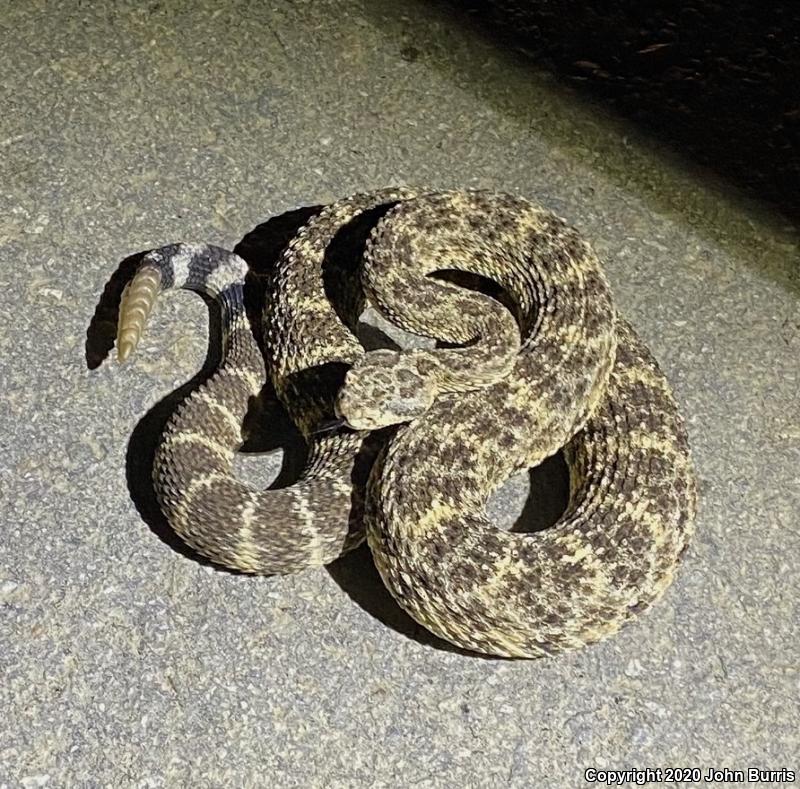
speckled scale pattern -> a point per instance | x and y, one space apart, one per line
582 381
549 365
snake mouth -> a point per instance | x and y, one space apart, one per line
348 416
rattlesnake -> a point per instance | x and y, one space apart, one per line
541 364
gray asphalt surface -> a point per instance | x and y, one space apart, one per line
124 662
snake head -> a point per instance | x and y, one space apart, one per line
385 388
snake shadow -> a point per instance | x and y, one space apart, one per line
267 426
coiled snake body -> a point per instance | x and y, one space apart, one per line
543 363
